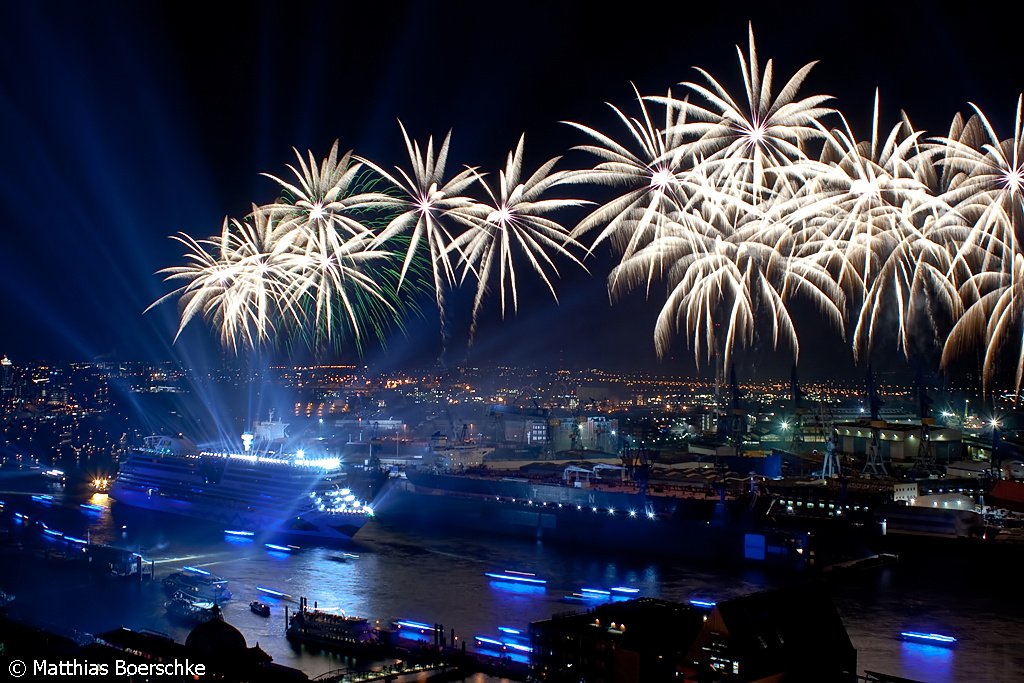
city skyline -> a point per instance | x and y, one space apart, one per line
615 334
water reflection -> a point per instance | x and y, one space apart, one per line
391 573
936 661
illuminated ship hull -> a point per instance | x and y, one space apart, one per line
264 495
615 517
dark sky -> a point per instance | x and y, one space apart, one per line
122 123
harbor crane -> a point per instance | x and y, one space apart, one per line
874 464
732 420
925 454
796 396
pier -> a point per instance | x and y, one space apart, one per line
418 647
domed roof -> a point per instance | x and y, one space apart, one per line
216 638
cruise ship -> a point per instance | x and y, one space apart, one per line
256 491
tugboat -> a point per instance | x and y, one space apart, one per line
260 608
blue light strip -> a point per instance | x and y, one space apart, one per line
928 637
489 641
196 570
596 591
513 631
233 532
623 589
72 539
520 579
278 548
707 604
91 507
270 591
517 646
415 624
52 532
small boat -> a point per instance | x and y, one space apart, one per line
936 639
188 608
260 608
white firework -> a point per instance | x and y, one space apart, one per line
992 319
738 275
300 265
648 175
987 188
751 145
426 198
325 202
868 216
514 220
235 281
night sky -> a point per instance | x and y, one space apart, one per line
123 123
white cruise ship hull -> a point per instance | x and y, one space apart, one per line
308 523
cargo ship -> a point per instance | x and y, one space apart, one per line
259 490
602 505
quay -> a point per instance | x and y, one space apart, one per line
388 673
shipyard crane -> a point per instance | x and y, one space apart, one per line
796 395
830 465
638 465
874 463
731 421
925 454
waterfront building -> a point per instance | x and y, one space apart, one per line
900 442
793 634
620 642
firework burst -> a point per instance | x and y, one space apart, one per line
515 219
741 206
752 145
738 274
986 184
867 215
648 172
305 265
425 199
234 281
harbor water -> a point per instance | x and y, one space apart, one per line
392 573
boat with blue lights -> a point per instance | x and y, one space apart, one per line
253 488
189 608
934 639
198 584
